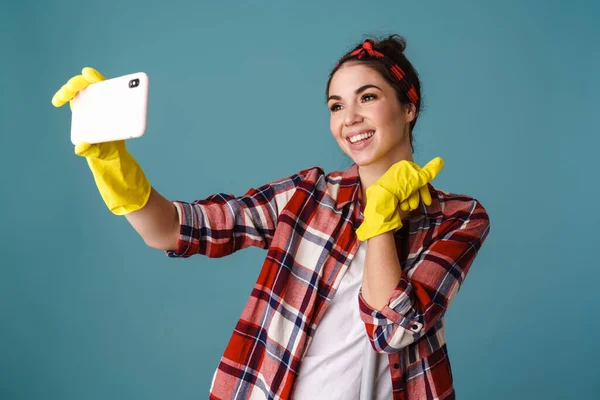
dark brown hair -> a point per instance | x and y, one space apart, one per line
393 48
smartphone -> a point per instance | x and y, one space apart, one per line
114 109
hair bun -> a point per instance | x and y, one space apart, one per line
393 43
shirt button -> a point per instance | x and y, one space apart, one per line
396 366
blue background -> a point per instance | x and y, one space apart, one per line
87 311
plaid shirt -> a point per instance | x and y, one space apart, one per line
307 223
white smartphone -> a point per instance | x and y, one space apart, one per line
114 109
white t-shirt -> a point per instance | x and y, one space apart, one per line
332 366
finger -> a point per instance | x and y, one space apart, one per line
434 166
91 75
77 83
430 171
62 96
425 195
69 90
413 200
404 205
421 195
57 101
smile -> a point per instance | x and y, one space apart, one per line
361 137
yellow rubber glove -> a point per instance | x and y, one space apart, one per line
119 178
420 195
400 181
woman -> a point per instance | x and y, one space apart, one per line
373 255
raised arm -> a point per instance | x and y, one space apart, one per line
121 181
222 223
157 222
217 226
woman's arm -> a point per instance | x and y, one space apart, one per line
414 305
222 223
157 222
382 270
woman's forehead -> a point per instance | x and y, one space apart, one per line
352 76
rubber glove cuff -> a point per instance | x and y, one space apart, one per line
381 214
119 178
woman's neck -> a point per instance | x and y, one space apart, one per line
370 173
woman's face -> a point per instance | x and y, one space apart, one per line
366 118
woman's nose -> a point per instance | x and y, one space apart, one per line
352 116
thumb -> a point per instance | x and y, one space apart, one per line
104 151
85 150
430 171
92 75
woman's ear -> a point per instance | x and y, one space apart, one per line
410 112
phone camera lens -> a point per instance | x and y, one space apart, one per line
134 83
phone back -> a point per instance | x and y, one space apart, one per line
114 109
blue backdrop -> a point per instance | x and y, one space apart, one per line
87 311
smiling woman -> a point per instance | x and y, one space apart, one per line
371 89
370 257
393 66
369 123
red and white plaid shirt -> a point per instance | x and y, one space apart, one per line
307 223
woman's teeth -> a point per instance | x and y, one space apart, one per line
360 137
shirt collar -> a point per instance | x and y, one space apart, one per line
349 190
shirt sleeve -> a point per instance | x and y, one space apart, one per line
223 224
423 295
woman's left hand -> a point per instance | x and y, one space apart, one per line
401 183
422 194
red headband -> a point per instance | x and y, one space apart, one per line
366 50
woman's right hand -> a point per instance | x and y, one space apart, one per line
120 180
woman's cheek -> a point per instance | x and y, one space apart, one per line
335 126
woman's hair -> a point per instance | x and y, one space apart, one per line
393 48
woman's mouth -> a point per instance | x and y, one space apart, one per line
358 142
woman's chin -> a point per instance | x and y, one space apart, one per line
363 160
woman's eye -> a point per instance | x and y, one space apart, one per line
335 107
369 97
